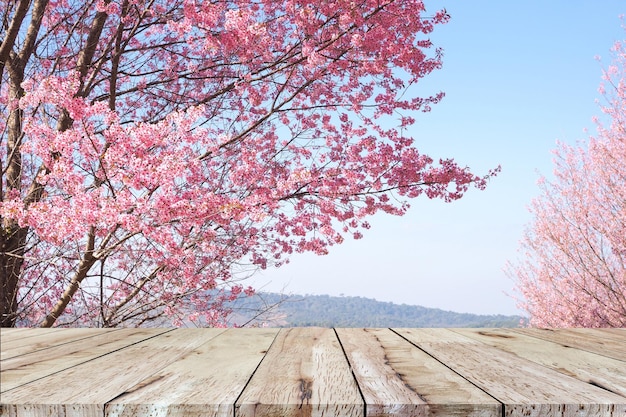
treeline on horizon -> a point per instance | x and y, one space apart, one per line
281 310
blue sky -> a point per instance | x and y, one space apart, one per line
518 75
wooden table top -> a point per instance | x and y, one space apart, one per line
318 372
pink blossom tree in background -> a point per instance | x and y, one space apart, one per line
574 270
156 152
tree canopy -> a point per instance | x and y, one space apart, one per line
155 151
573 272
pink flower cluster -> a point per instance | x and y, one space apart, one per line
206 139
573 272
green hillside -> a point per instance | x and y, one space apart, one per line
327 311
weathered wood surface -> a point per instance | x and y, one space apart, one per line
397 378
34 341
607 342
305 373
313 372
205 382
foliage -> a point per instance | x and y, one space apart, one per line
574 273
328 311
154 150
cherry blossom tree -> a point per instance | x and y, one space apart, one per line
574 270
157 152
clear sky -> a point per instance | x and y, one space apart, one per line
518 75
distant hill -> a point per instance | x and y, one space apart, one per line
327 311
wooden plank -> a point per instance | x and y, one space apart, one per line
52 410
621 332
605 335
205 382
44 340
13 330
304 373
581 340
607 373
617 336
85 389
398 379
15 333
26 368
524 387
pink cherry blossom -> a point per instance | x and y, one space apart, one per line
156 153
572 271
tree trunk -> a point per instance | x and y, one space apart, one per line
11 260
12 236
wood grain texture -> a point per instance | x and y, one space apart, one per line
616 334
38 341
12 333
305 373
204 382
621 332
26 368
398 379
594 369
524 387
583 339
90 385
302 372
10 339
